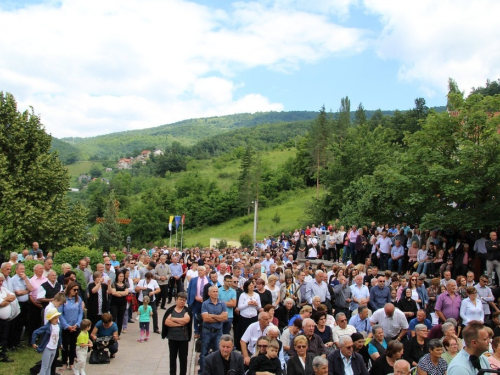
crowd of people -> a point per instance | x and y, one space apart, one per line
392 299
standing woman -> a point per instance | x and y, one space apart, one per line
275 291
131 292
70 319
177 328
148 286
412 256
300 247
119 291
249 306
98 299
471 308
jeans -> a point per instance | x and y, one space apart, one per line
399 262
197 316
347 253
226 326
209 340
48 356
179 348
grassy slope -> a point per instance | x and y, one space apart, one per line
290 212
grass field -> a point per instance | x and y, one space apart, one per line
24 359
290 212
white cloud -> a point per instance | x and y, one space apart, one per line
436 40
92 67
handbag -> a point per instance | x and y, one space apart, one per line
99 357
415 265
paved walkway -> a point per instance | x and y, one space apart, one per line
134 358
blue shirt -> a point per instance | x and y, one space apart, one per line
461 365
379 297
176 269
398 251
226 296
71 313
360 325
414 322
216 309
115 263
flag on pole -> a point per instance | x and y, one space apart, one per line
170 223
183 218
177 221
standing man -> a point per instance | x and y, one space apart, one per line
162 276
6 298
22 288
251 335
392 320
221 273
360 293
195 298
470 359
48 289
317 287
493 256
36 308
213 314
175 279
448 303
177 329
343 296
383 245
228 296
485 295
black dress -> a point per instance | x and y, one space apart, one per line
266 298
381 366
118 306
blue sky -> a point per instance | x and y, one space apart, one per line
90 67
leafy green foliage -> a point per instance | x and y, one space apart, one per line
109 231
67 153
33 185
246 240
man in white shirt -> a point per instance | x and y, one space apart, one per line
392 320
221 273
253 332
342 328
384 245
360 293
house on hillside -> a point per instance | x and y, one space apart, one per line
158 152
124 163
145 154
109 169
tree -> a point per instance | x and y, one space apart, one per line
33 185
95 171
320 137
109 231
345 113
360 115
245 183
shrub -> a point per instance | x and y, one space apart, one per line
246 240
74 254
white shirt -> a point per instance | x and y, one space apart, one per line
312 253
41 291
247 311
54 336
384 245
393 325
6 310
338 332
469 311
153 285
252 334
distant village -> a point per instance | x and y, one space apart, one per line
123 163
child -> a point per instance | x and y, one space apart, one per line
268 362
52 339
58 301
82 345
145 312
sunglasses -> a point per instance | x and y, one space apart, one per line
75 290
262 346
301 346
349 347
108 264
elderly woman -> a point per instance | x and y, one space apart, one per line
432 363
451 346
377 346
275 290
106 328
65 268
320 366
270 310
449 330
289 289
285 313
98 298
301 364
384 364
407 305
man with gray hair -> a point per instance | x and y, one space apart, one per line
317 287
392 320
22 287
252 333
315 343
416 347
341 329
13 258
402 367
162 275
345 360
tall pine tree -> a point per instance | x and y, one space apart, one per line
109 231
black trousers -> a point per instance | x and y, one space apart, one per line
118 312
162 296
178 348
4 332
171 283
35 319
17 325
69 346
155 315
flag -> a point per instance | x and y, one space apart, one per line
183 218
170 223
177 221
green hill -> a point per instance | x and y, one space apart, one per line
68 153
